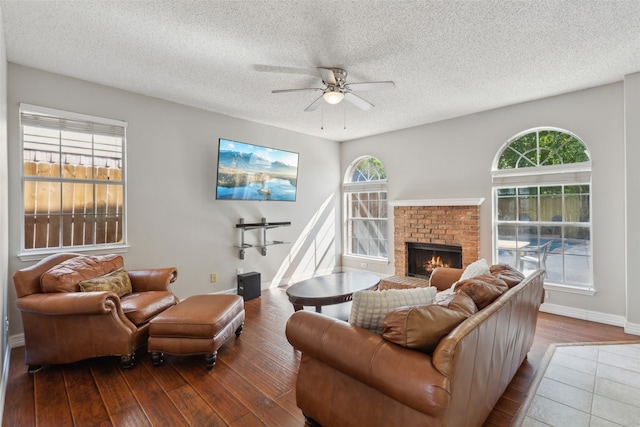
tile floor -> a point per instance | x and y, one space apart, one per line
590 386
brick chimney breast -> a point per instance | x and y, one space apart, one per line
455 222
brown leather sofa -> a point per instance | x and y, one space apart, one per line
349 376
64 325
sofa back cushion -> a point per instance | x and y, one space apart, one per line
483 290
66 276
422 328
510 275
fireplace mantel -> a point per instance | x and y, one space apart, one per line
438 202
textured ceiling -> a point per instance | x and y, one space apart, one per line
447 58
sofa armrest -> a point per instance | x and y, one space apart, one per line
153 279
69 303
443 277
405 375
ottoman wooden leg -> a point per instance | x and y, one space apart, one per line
126 361
239 330
157 358
210 359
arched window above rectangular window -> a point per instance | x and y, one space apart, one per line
542 203
365 191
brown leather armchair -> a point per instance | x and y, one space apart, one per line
66 325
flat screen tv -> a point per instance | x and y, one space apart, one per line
252 172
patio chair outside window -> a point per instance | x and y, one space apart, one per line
535 255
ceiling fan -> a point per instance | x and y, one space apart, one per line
336 89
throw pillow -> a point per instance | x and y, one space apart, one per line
445 293
481 290
117 281
65 276
477 268
370 307
493 280
460 302
423 327
510 275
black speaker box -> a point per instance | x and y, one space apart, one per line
249 285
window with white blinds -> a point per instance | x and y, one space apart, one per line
73 180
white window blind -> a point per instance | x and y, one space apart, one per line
73 180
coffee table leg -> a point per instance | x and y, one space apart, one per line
297 307
318 309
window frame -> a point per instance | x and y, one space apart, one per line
352 187
566 174
116 126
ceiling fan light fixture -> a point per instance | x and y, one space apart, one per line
333 97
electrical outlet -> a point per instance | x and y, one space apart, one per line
546 295
363 265
239 270
214 277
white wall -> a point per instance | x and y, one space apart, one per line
4 210
173 217
453 158
632 137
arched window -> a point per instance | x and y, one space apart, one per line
365 191
542 206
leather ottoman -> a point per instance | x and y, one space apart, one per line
197 325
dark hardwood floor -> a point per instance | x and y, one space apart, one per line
252 383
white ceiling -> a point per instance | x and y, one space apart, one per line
447 58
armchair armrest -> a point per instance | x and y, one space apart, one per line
69 303
405 375
153 279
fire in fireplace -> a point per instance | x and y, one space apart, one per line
423 258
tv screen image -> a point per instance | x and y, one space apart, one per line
253 172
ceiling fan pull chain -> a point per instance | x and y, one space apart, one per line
322 118
344 116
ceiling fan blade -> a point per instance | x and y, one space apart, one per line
358 102
314 105
327 75
306 89
372 86
264 68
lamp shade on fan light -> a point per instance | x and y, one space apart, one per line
333 97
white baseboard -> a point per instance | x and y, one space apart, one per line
16 340
578 313
632 328
232 291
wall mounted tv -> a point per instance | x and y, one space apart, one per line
252 172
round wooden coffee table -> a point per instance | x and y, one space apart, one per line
330 289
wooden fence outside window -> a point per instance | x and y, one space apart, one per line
74 208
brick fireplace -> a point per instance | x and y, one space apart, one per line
453 222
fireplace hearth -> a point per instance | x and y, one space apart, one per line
423 258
